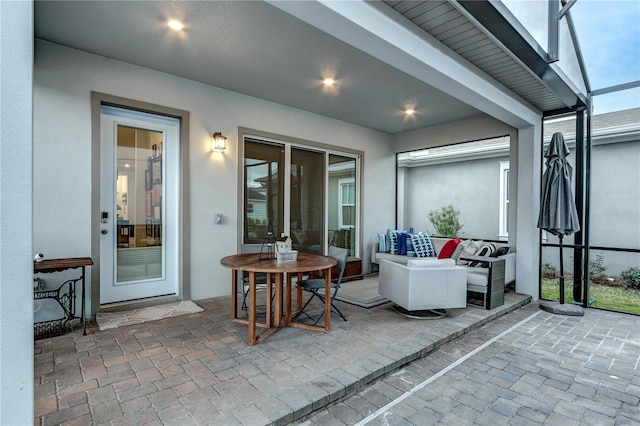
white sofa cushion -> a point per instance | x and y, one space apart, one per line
477 276
392 257
430 263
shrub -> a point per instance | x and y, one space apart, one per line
631 276
596 267
446 221
548 271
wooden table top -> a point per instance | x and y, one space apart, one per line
57 265
250 262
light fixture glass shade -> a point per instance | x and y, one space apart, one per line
219 142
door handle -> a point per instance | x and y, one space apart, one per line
104 231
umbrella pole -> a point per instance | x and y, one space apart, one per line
562 308
561 273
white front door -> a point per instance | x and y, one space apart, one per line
138 205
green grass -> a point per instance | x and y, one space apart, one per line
605 297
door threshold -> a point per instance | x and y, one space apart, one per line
139 303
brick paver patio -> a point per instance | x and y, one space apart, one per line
198 368
529 367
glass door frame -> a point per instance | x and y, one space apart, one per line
289 143
184 252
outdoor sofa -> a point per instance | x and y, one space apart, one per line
489 266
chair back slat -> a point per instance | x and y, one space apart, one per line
315 285
340 254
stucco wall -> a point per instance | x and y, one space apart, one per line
472 187
615 195
412 212
615 207
524 203
16 264
63 80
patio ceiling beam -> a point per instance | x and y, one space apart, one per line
503 29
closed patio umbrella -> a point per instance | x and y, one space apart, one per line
558 213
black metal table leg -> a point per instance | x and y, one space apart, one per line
82 308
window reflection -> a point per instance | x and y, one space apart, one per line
302 194
264 186
139 204
307 194
342 202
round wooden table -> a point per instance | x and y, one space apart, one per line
279 273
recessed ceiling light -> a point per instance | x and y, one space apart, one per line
175 25
328 82
409 111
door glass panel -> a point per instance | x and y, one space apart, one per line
263 189
307 194
139 204
342 202
347 203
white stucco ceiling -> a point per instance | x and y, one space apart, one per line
252 48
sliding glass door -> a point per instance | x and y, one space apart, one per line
263 190
342 200
306 192
306 219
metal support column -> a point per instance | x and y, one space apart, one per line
578 250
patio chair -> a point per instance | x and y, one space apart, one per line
424 288
315 286
261 285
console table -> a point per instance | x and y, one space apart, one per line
65 294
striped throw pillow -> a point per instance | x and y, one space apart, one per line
486 249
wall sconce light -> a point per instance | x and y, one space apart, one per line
219 142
